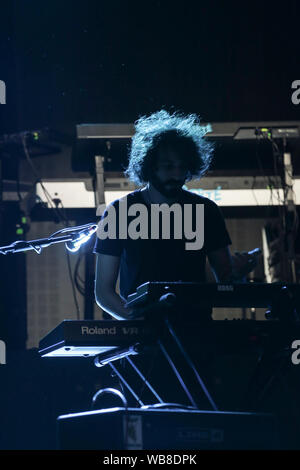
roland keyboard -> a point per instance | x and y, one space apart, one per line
84 338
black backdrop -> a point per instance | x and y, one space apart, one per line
95 61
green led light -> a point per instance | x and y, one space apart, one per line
24 220
266 131
19 231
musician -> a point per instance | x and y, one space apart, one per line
167 150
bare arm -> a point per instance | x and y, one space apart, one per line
107 271
228 268
221 264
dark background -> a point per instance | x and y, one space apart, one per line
69 62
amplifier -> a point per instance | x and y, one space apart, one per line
136 428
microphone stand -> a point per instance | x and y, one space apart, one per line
73 235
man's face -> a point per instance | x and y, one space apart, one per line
170 172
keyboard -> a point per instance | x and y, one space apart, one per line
84 338
217 295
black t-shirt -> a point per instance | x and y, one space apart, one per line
160 259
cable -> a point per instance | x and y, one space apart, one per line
18 181
253 191
61 217
72 284
70 269
270 184
286 188
79 282
39 180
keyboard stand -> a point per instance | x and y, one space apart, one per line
117 353
190 364
121 353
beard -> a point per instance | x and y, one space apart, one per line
170 188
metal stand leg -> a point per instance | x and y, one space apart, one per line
144 380
190 364
176 372
126 384
119 353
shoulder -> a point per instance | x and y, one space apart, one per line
212 211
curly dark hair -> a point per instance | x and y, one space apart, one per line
176 130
